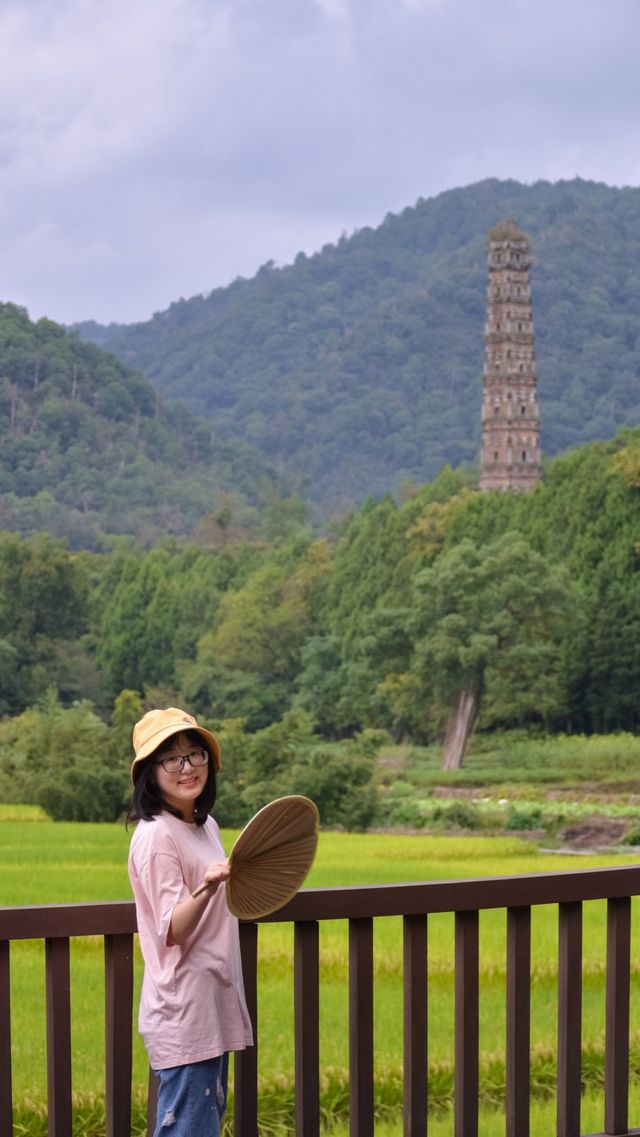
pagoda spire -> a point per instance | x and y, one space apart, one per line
510 457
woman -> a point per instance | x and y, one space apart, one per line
192 1004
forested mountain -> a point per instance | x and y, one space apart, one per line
89 449
361 365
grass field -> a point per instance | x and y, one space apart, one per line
41 862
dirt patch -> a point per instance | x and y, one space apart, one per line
594 833
457 791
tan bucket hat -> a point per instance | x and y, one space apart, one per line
156 727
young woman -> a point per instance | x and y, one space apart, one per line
192 1004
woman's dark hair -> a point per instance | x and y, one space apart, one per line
147 800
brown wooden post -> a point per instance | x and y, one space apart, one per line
245 1081
569 1018
361 1027
152 1102
518 1021
118 962
466 1025
6 1095
616 1082
58 1037
415 1026
307 1029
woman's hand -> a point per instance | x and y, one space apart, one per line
214 876
187 914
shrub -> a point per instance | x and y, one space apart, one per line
62 759
341 784
522 819
402 811
84 794
460 815
284 759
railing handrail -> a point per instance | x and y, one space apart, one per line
340 903
115 922
48 921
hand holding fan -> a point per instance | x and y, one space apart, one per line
271 857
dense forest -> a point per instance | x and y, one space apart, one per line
91 452
524 606
360 367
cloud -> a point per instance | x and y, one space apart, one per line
156 148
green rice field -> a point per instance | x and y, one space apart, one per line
42 862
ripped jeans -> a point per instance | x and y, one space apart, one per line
192 1098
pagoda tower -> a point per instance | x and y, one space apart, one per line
510 458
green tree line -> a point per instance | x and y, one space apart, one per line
423 619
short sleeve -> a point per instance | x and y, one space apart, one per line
164 886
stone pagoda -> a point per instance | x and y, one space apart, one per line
510 458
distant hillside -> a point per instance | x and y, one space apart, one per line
89 449
362 365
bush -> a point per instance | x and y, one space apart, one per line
62 759
523 819
369 742
341 784
401 789
459 815
402 811
84 794
285 759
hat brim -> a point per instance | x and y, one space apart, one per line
272 856
149 748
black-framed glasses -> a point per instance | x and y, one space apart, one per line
174 763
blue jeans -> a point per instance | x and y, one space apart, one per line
192 1098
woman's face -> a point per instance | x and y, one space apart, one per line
182 788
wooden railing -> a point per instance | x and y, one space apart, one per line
115 922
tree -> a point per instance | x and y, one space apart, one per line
154 607
487 626
127 710
247 664
43 613
62 759
326 687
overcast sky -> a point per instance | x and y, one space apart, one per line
153 149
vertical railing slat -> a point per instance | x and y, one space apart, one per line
307 1029
518 1021
6 1095
616 1084
466 1024
569 1018
118 996
245 1082
58 1003
361 1027
152 1102
415 1025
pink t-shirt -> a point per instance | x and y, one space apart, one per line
192 1004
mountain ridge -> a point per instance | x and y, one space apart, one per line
91 452
360 366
